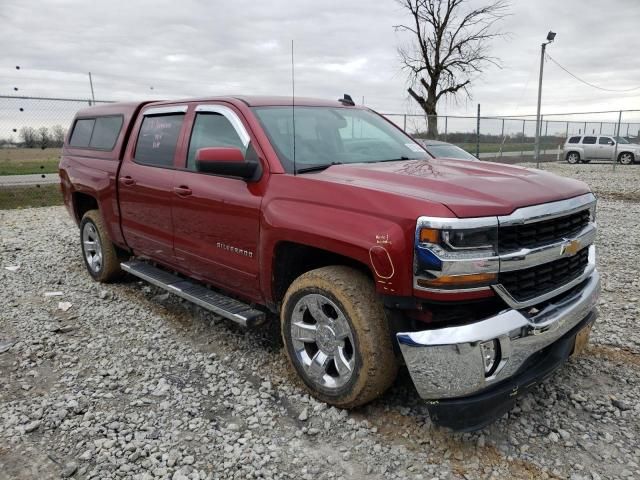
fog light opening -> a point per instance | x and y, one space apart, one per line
490 356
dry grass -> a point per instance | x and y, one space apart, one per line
21 161
30 196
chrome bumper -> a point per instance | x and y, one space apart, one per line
447 362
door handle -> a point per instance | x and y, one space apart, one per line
127 180
182 191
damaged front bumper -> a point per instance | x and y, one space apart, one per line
449 365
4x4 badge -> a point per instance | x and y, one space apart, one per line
569 249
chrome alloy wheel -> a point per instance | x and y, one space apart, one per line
626 158
323 341
573 158
91 247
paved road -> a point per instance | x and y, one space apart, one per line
526 153
26 180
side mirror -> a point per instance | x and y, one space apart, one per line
611 142
228 161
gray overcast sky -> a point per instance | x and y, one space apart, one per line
193 47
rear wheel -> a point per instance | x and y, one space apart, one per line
99 254
573 157
626 158
336 336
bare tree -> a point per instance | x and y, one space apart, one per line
43 137
58 133
29 136
449 45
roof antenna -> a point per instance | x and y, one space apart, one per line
293 109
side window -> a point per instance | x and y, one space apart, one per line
158 139
82 133
211 129
105 132
589 140
574 140
605 141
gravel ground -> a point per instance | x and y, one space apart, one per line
130 382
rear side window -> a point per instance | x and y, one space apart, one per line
98 133
158 139
574 140
82 130
105 132
589 140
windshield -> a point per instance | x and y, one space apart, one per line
332 135
622 140
449 151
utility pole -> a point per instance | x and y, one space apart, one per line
93 98
550 37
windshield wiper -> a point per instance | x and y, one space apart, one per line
395 159
317 168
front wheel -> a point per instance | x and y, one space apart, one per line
336 336
573 157
625 158
99 254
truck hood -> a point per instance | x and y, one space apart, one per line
467 188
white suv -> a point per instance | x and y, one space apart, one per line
584 148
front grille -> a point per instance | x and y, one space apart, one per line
532 282
541 233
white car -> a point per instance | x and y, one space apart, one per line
584 148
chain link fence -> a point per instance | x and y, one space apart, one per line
512 139
32 130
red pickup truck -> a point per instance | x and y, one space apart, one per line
480 278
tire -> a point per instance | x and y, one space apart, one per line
626 158
573 158
342 351
99 254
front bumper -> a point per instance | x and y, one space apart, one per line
447 363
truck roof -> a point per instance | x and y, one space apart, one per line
117 108
251 101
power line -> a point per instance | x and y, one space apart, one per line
587 83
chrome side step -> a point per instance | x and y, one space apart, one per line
200 295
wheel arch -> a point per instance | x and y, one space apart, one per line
292 259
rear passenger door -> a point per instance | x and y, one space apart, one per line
145 183
605 148
217 218
590 147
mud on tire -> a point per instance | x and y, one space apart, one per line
337 294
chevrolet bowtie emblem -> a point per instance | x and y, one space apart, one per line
569 249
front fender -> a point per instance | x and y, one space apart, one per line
385 245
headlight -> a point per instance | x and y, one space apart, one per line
460 243
469 248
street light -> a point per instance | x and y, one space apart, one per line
550 37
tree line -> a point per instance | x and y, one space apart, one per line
42 137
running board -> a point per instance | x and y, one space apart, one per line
200 295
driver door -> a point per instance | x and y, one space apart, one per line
216 218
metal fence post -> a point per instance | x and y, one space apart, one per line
478 134
600 129
501 139
566 135
615 150
446 121
537 149
405 122
522 140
